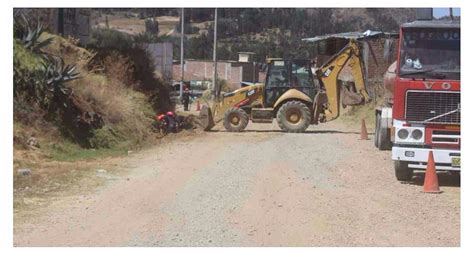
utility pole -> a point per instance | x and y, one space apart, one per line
182 55
214 78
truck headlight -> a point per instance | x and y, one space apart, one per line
402 134
410 135
416 134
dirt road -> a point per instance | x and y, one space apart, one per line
258 188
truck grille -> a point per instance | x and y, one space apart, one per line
446 136
433 107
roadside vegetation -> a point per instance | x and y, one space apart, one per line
74 104
353 115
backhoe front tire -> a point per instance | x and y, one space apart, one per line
294 117
235 120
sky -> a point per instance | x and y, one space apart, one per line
439 12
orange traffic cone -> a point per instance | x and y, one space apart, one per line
198 106
430 184
363 131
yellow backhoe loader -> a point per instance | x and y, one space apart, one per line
292 94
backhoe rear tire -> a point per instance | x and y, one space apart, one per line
294 117
235 120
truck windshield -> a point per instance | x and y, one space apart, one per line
430 53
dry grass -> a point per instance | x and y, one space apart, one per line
109 93
60 165
127 113
134 26
353 115
122 108
71 53
119 68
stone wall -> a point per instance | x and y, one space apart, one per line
74 22
162 56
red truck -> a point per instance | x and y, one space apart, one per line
423 110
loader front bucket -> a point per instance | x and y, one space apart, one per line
206 118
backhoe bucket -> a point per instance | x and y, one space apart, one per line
349 97
206 118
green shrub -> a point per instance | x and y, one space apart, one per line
104 138
152 27
110 39
26 65
146 38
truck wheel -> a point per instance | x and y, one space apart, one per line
402 171
384 139
382 136
377 131
293 117
235 120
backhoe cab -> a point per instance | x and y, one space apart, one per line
291 94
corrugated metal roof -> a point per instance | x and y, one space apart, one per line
348 35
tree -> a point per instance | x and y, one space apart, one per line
152 26
187 25
200 47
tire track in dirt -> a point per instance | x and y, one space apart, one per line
125 211
257 188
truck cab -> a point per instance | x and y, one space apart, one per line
426 110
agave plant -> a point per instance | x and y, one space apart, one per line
55 74
29 34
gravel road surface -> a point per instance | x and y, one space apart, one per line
261 187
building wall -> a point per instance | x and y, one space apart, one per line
235 77
249 71
162 56
232 72
377 72
74 22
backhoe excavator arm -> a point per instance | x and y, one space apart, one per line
330 98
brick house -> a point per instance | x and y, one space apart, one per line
233 72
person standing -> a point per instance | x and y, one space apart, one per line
186 96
